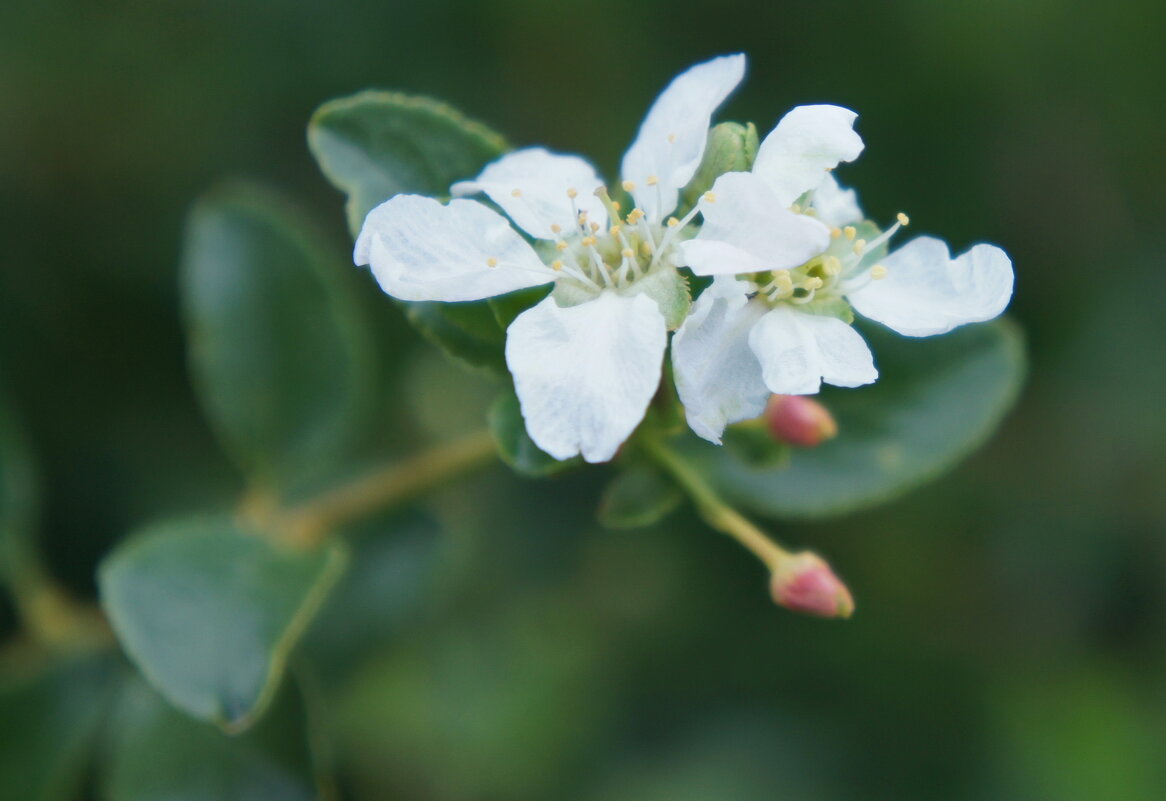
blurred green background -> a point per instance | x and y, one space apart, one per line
1010 640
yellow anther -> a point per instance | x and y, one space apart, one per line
832 265
646 248
615 205
859 246
516 192
614 230
556 228
628 253
635 215
556 265
796 209
560 245
572 193
849 232
835 232
583 216
673 222
588 241
653 180
595 227
629 186
813 283
491 262
671 137
878 271
903 219
710 197
782 277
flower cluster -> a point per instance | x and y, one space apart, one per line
790 255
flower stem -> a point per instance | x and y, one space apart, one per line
713 509
309 523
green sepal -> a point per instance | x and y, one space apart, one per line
515 447
639 496
669 289
210 611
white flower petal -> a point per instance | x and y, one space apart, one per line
531 187
798 351
926 293
671 141
747 229
585 374
421 250
835 206
717 376
806 142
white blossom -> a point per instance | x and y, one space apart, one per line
587 359
785 244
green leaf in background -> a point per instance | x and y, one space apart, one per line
156 752
639 496
466 331
278 351
935 401
49 716
374 145
515 447
17 499
209 612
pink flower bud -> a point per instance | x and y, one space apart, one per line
799 420
805 583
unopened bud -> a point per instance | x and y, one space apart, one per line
799 420
731 147
805 583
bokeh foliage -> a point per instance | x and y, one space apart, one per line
1009 641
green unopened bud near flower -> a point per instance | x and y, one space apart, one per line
799 420
803 582
731 148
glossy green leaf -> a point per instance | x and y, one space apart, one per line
17 499
49 718
278 351
209 612
515 447
936 400
374 145
639 496
156 752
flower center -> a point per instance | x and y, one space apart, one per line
831 275
620 253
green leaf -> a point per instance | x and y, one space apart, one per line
374 145
49 717
18 501
936 400
639 496
155 752
209 612
515 447
468 332
279 356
